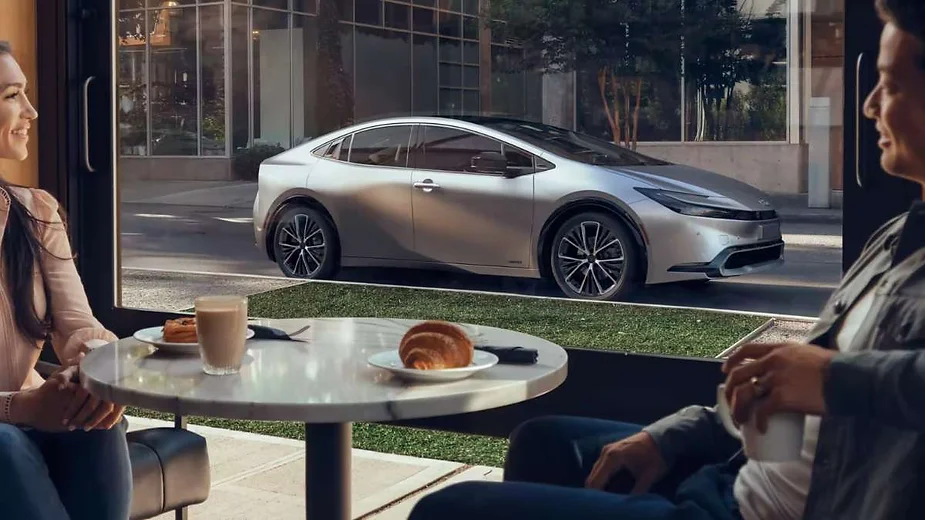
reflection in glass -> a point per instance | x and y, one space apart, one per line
270 55
450 51
240 84
451 102
275 4
425 20
304 78
470 27
132 84
397 16
507 85
450 24
426 85
383 73
174 77
368 11
471 53
304 6
736 80
212 59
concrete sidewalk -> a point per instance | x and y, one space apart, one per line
258 477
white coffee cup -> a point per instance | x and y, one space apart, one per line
781 442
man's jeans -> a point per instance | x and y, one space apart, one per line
545 471
60 476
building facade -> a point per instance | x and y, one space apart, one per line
203 81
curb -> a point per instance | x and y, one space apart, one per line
796 218
747 338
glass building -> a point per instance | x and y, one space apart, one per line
719 84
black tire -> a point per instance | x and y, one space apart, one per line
305 244
609 272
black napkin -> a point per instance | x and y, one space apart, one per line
264 332
512 355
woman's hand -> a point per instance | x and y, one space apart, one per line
86 411
638 454
784 377
42 408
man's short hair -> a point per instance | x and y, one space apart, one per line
5 48
908 15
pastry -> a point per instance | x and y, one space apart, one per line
181 330
435 345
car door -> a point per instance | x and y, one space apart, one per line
465 213
371 186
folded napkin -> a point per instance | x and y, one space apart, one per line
264 332
513 355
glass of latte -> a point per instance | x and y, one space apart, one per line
221 325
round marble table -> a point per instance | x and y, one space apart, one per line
324 382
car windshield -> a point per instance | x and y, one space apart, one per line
572 145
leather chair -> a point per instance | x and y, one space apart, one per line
170 467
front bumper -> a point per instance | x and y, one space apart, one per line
681 247
738 260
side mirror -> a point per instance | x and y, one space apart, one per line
489 162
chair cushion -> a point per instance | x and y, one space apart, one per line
170 469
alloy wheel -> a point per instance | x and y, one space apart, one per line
591 259
303 245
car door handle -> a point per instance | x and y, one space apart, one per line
426 185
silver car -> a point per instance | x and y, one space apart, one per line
507 197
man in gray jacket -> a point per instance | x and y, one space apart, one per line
860 381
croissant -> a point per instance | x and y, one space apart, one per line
181 330
435 345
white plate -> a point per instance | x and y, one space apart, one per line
390 360
155 336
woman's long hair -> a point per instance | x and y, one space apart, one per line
20 250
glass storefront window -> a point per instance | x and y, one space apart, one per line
132 84
212 64
383 73
174 82
270 86
723 86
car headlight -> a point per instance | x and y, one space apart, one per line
698 206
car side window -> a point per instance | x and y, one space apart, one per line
516 159
454 150
333 150
385 146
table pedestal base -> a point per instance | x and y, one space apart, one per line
327 471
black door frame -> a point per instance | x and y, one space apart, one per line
76 44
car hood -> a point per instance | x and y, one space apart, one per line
679 177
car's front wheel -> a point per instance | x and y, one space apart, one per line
594 257
305 244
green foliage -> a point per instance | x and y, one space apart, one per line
246 162
722 45
767 112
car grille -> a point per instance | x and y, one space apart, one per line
749 257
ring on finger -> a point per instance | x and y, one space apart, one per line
760 390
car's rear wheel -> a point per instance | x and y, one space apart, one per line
305 244
594 257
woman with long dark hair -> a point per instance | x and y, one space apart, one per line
63 453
